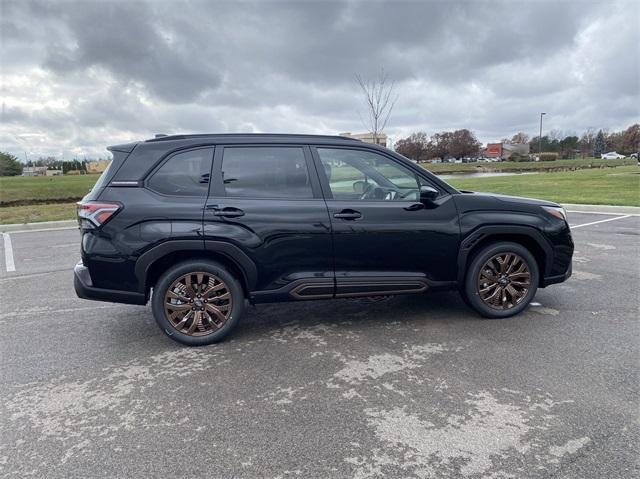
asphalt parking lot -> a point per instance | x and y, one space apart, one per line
416 386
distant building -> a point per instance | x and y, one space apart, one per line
34 171
505 150
54 172
368 137
97 166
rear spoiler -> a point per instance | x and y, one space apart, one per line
124 148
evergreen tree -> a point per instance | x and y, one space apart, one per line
600 146
9 165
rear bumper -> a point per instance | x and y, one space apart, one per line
86 290
559 278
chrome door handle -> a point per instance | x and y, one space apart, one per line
228 212
414 207
348 214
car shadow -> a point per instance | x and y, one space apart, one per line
438 306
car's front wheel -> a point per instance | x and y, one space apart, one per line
501 280
197 302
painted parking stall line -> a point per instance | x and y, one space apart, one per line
601 221
8 253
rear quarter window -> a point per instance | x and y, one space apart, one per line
183 174
104 177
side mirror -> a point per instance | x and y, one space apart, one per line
428 193
358 186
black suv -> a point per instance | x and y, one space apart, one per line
206 222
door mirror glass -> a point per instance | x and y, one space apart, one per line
358 186
428 193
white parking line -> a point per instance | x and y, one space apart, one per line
601 221
8 253
608 213
62 228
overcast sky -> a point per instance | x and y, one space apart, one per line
77 77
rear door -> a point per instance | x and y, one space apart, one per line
266 201
385 239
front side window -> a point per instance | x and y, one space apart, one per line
184 174
364 175
266 172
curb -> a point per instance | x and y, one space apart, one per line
603 209
42 226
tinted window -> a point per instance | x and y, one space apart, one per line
266 172
358 174
103 177
184 174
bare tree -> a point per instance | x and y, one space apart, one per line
555 135
587 141
380 101
520 138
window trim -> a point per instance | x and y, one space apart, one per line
166 159
326 186
216 185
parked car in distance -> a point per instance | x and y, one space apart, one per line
612 155
199 225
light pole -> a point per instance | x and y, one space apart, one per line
540 136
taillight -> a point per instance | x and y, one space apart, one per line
93 214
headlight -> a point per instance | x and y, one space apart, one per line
557 211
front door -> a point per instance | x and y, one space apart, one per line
385 240
266 201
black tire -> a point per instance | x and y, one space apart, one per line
233 312
470 291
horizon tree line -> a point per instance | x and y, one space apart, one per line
463 143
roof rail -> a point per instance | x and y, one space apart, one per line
240 135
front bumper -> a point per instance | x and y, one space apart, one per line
559 278
86 290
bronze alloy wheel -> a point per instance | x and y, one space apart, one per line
504 281
198 304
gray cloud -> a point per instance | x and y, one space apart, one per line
80 75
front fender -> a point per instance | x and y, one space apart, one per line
482 233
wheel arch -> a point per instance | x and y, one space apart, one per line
154 262
525 236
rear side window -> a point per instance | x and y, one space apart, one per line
102 181
184 174
266 172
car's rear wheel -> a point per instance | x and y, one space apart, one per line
197 302
501 280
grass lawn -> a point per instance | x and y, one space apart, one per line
599 186
578 163
37 213
606 186
52 188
